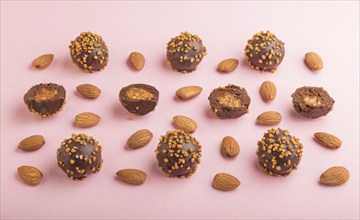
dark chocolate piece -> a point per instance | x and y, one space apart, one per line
229 102
185 52
312 102
178 154
45 99
278 152
139 99
89 52
264 51
79 156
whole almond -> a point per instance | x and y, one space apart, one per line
32 143
335 176
269 118
185 123
188 92
268 91
230 147
132 176
137 60
88 91
313 61
42 61
228 65
139 139
225 182
86 120
30 175
327 140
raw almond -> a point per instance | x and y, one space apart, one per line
188 92
335 176
132 176
268 91
228 65
139 139
30 175
269 118
32 143
225 182
185 123
313 61
42 61
327 140
137 60
87 120
230 147
88 91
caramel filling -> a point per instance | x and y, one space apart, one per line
45 94
139 94
229 100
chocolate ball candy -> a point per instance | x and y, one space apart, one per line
278 152
185 52
139 99
178 154
264 51
89 52
312 102
79 156
229 102
45 99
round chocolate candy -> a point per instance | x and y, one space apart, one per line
79 156
312 102
278 152
229 102
264 51
89 52
178 154
45 99
185 52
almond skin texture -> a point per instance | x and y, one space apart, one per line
42 61
268 91
88 91
87 120
139 139
188 92
228 65
32 143
185 123
132 176
137 60
327 140
335 176
313 61
269 118
229 147
30 175
225 182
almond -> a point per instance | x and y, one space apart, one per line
132 176
139 139
228 65
30 175
230 147
137 60
225 182
42 61
327 140
32 143
88 91
269 118
268 91
313 61
87 120
185 123
335 176
188 92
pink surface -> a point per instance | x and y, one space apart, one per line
32 29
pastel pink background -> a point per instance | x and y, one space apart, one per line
29 29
